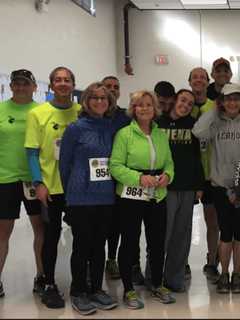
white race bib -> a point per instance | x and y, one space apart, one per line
56 145
29 191
203 145
135 193
99 170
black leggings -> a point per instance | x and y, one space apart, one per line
113 234
153 214
89 229
52 217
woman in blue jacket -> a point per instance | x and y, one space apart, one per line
89 193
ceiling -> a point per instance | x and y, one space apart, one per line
186 4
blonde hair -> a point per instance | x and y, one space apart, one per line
138 95
88 92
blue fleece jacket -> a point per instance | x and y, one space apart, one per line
87 138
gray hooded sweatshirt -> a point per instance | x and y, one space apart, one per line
224 135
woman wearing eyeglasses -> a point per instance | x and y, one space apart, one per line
89 191
141 163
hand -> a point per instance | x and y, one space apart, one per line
232 198
42 194
199 195
148 181
163 180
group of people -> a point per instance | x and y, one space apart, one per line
108 170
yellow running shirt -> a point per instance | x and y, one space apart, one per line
45 128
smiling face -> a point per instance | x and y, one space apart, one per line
62 84
231 104
113 86
98 103
22 90
144 109
183 105
222 74
199 80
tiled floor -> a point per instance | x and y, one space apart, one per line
201 300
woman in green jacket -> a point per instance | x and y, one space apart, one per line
142 165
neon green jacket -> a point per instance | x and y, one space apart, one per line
131 150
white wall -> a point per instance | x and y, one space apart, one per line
65 35
188 38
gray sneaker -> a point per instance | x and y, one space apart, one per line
2 294
132 300
82 304
163 295
103 301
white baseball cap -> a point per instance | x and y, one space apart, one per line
230 88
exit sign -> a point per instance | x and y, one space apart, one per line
161 59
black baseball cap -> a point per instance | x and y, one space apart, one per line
23 74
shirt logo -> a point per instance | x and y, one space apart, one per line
11 119
55 125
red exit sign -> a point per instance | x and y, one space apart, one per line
161 59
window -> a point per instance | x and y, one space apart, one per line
88 5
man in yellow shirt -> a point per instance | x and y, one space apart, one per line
45 127
199 81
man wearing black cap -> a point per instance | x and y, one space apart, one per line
222 74
14 171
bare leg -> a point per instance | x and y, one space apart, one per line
37 226
236 256
225 252
210 216
6 228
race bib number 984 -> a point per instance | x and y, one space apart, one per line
99 170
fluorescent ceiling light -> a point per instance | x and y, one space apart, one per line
203 2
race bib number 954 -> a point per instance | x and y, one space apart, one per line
99 170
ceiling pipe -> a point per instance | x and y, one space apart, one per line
127 66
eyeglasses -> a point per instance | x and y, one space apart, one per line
96 98
141 106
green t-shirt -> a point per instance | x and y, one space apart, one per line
45 127
205 145
14 166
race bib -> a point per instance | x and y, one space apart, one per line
56 145
99 170
136 193
29 191
203 144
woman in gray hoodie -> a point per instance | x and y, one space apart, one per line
222 127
